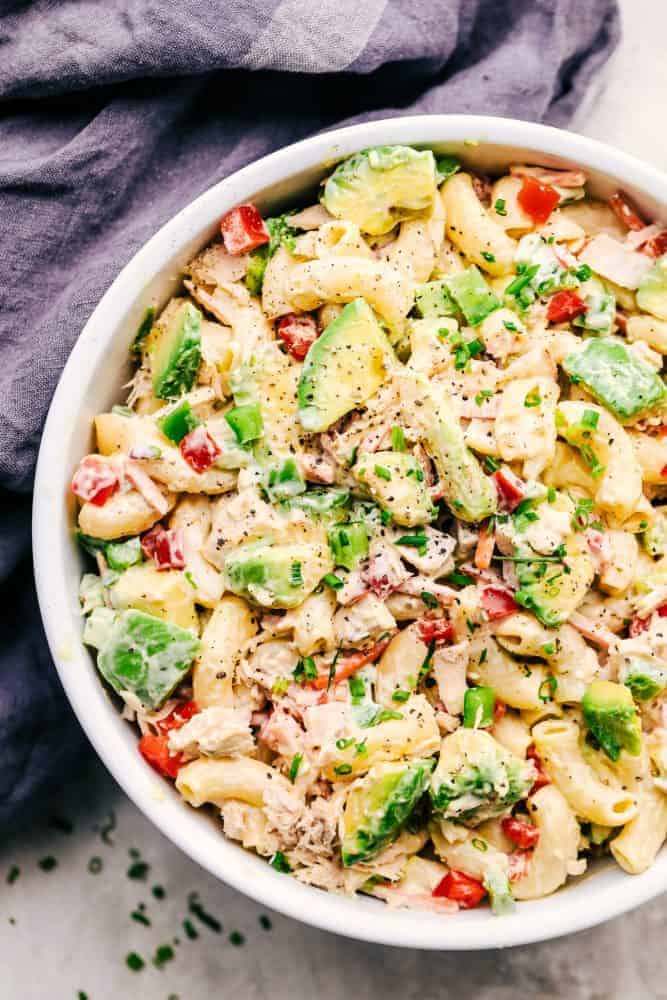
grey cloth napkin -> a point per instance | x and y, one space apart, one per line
116 113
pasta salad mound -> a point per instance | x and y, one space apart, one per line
379 535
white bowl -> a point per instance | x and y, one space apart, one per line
92 381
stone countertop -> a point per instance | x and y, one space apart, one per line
69 929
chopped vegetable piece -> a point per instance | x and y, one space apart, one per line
243 229
612 718
511 489
146 655
246 422
349 544
460 888
433 299
297 332
520 832
497 603
435 630
176 424
478 706
472 295
537 200
95 480
616 377
565 306
199 449
176 352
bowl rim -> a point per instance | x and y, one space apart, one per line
571 909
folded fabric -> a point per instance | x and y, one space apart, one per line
118 114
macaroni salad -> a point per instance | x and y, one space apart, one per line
381 557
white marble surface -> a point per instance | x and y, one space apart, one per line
71 930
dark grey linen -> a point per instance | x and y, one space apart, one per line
116 113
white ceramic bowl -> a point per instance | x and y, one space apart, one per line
92 381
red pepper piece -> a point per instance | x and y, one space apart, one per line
537 200
243 229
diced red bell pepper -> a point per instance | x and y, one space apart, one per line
149 541
297 333
460 888
521 833
164 547
657 246
564 306
435 630
497 603
199 449
169 550
154 748
243 229
537 200
95 480
511 489
624 210
639 625
180 715
542 777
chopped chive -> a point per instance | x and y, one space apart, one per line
532 398
547 689
429 599
343 743
13 874
499 206
163 953
488 257
481 396
191 931
400 695
138 870
48 863
549 648
197 910
426 665
589 419
140 917
397 439
490 464
333 581
341 769
265 922
294 767
236 938
280 863
296 576
382 472
134 961
95 865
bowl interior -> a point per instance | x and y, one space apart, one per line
93 381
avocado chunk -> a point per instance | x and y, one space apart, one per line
600 314
378 187
396 481
476 778
343 368
616 378
145 655
654 539
432 299
349 544
652 291
379 805
553 587
472 295
120 554
276 575
645 677
612 718
469 494
497 884
284 481
321 502
176 352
